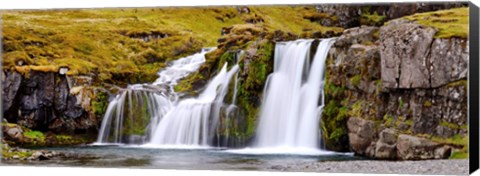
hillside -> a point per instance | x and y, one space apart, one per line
130 45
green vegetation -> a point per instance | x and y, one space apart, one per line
136 117
129 44
35 135
372 19
355 80
7 154
334 117
452 125
356 109
460 142
401 104
427 103
100 103
449 23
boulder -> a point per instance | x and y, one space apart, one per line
361 134
414 148
385 151
13 132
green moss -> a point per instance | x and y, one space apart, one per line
401 104
356 109
100 103
458 83
372 19
452 125
7 154
137 117
427 103
355 80
36 135
378 89
449 23
461 154
409 122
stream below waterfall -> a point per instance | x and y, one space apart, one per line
131 156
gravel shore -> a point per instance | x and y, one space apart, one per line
443 167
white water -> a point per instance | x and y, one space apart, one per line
142 104
291 109
191 121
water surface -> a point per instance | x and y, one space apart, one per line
185 158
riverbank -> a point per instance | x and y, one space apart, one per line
435 167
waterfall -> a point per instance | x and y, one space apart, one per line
192 121
294 97
132 116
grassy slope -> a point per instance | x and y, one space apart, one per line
101 40
449 23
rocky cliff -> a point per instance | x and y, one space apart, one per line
397 92
46 101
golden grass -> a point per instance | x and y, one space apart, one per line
108 41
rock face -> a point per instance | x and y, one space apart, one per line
396 88
412 58
405 47
48 101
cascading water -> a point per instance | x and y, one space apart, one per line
291 108
192 121
132 116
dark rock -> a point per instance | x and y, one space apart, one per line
11 84
61 93
73 109
347 16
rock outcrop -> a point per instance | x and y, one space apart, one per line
401 92
49 101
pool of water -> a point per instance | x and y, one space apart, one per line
184 158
